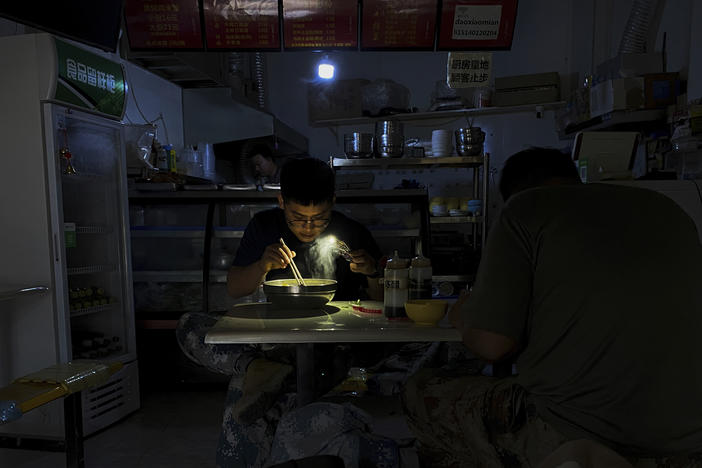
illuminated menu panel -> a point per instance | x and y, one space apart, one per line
163 24
242 24
398 24
320 24
477 24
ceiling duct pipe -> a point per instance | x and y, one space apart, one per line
639 35
260 69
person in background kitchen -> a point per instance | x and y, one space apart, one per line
593 291
266 168
305 219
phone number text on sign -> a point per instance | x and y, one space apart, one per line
476 22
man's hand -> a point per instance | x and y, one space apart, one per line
276 256
454 314
486 344
362 262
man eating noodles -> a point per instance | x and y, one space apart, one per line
308 226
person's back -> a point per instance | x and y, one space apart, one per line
616 313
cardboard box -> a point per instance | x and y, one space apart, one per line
336 100
614 95
527 89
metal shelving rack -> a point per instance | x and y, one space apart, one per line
480 184
418 117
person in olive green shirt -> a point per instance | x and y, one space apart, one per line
594 291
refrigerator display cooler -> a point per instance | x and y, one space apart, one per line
65 225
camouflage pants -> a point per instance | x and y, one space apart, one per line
229 359
249 445
343 430
464 420
239 445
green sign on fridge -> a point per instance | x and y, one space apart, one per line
90 81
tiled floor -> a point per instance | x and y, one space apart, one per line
173 429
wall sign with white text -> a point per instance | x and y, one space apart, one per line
477 24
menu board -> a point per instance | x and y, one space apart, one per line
320 24
242 24
477 24
398 24
163 24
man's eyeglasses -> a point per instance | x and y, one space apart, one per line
315 223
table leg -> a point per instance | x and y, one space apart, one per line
305 373
73 416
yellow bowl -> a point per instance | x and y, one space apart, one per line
426 311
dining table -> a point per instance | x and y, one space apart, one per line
336 322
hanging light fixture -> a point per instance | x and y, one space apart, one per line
325 68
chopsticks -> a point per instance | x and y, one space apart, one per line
293 267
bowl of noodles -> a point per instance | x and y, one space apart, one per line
288 294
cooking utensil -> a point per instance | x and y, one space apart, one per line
287 293
293 267
358 145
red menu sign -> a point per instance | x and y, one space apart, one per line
320 24
398 24
477 24
241 24
163 24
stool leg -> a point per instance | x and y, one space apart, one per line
73 420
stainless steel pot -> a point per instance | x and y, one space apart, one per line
358 145
469 136
391 151
287 294
386 127
469 150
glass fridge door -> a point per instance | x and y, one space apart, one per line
86 154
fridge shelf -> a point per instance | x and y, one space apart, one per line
93 229
86 270
92 310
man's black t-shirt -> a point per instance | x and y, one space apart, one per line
314 259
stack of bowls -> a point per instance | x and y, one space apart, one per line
469 141
389 138
441 143
358 145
